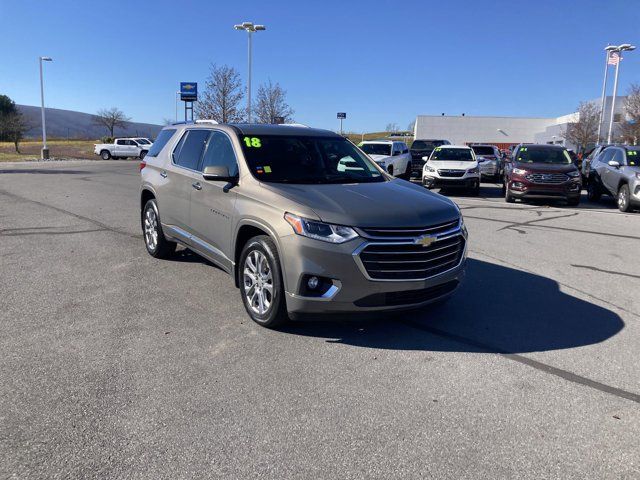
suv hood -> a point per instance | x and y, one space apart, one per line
452 165
379 158
545 167
395 203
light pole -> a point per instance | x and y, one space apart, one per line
250 28
177 96
45 151
607 50
619 49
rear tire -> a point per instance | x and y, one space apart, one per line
105 155
593 191
574 202
390 170
157 245
143 154
624 198
475 190
407 173
261 285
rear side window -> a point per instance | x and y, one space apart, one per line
220 153
188 152
163 137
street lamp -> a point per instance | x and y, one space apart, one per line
607 50
625 47
45 151
250 28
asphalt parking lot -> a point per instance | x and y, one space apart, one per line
117 365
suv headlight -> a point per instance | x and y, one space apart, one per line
519 171
427 168
473 170
573 174
319 230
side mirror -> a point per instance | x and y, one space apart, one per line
217 173
614 164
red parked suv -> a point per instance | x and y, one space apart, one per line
541 172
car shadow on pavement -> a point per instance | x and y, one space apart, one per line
496 310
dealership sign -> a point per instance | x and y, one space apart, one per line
189 91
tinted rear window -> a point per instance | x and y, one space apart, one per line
163 137
483 150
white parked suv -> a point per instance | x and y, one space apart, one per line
123 148
391 155
452 166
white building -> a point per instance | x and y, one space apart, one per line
505 131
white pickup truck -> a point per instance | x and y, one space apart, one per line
123 148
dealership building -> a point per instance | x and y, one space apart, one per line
506 131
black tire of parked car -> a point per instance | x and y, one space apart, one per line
407 172
593 191
574 202
508 197
624 199
390 170
276 314
163 248
475 190
143 154
105 155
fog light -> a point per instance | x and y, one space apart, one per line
517 185
313 283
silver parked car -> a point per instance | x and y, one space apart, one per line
301 218
616 172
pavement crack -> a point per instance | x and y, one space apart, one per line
612 272
103 226
514 225
543 367
19 232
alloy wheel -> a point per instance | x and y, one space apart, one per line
258 282
151 228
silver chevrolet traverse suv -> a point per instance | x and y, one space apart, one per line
301 218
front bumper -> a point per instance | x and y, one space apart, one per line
634 190
466 181
351 290
519 187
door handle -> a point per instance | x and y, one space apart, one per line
163 174
197 186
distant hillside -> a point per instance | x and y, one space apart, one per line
78 125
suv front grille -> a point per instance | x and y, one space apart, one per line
409 232
410 261
451 173
546 177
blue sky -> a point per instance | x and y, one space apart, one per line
379 61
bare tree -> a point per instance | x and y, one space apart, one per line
412 126
110 118
271 102
585 129
13 127
630 129
391 127
222 94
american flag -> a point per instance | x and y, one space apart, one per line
614 58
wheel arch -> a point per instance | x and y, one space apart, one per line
246 230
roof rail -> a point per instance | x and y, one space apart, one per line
207 120
295 125
182 122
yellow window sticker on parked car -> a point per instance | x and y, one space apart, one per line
267 169
252 142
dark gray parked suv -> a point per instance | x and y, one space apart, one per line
301 218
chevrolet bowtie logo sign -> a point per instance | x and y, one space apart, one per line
425 240
188 86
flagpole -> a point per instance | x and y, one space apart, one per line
613 100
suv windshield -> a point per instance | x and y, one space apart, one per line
453 154
300 159
376 148
483 150
543 154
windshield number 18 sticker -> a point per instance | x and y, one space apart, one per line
252 142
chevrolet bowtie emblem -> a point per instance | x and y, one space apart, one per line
425 240
188 87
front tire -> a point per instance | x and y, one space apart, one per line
475 190
261 285
508 197
624 198
573 202
143 154
407 172
105 155
157 245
